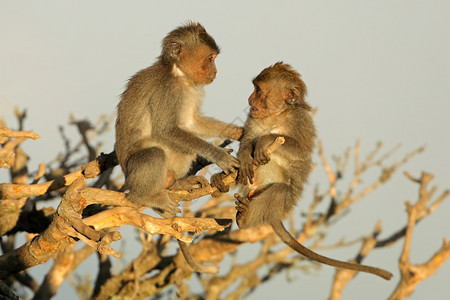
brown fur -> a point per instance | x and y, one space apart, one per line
278 108
160 129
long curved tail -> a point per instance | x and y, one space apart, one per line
191 262
289 240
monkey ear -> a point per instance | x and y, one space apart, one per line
293 95
175 50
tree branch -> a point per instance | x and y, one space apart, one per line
412 274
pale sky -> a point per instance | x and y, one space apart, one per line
377 70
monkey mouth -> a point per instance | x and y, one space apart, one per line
209 80
254 112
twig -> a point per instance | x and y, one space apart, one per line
412 274
8 133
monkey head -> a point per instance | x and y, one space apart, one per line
276 89
198 64
191 51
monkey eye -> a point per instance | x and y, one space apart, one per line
257 89
211 57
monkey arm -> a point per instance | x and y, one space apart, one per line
245 152
246 146
187 142
211 127
291 144
290 149
245 156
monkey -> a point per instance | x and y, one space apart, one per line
160 128
278 108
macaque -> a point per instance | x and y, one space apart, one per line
159 127
278 108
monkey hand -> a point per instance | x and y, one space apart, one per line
260 154
236 133
217 182
246 171
226 162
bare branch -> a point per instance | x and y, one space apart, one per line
7 153
89 170
8 133
412 274
343 276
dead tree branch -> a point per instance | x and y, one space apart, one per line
92 215
412 274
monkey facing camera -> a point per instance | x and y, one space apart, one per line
159 127
270 191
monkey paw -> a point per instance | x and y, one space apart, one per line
226 162
190 183
236 133
260 153
217 182
246 172
242 205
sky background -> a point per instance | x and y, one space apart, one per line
376 70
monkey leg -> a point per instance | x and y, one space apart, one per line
170 179
271 202
146 179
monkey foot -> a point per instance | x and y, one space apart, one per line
160 203
217 182
242 205
190 183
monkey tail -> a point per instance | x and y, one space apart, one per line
191 262
289 240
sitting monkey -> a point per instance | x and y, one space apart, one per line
159 127
278 108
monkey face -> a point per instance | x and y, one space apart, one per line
198 63
266 100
